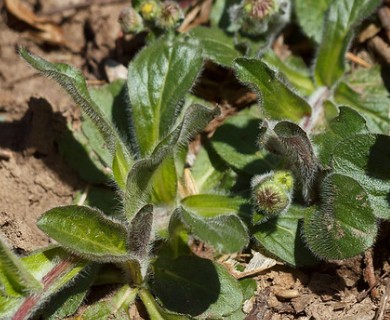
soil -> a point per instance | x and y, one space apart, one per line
34 177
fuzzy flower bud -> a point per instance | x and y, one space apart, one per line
271 192
130 21
259 17
150 10
170 16
258 9
270 198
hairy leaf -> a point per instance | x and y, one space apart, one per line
56 269
342 17
140 184
282 237
159 77
15 278
345 225
196 286
217 45
74 83
291 141
236 143
66 302
347 124
211 173
140 232
365 91
277 98
78 153
294 69
310 14
226 233
86 232
366 158
212 205
116 307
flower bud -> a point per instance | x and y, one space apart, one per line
270 198
130 21
284 179
271 192
258 9
170 16
150 10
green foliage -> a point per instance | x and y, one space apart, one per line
15 279
310 14
155 93
365 92
72 226
331 232
304 177
117 306
277 99
196 286
341 19
231 238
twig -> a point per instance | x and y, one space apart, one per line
369 273
354 58
83 5
365 293
382 306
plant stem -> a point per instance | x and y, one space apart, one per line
150 304
33 301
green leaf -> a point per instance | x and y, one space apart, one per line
140 183
140 232
116 307
86 232
74 83
15 279
226 233
342 17
345 225
75 148
159 78
66 302
93 141
9 305
347 124
212 205
113 102
277 98
211 173
120 167
364 91
196 286
291 141
281 237
366 158
165 181
216 44
294 69
56 269
310 14
248 287
155 311
236 143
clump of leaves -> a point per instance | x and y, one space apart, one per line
329 128
143 246
312 180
